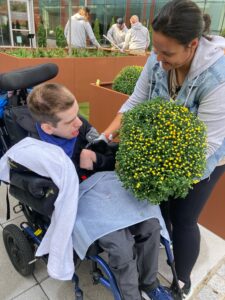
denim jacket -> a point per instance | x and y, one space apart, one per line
203 92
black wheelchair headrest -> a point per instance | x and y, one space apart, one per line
27 77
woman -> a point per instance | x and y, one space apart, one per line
190 66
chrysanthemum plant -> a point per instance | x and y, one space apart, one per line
162 150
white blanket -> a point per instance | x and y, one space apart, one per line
51 161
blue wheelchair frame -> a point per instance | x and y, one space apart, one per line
109 281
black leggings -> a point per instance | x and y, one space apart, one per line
183 215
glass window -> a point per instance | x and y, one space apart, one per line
4 24
216 10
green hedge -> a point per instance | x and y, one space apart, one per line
126 80
59 52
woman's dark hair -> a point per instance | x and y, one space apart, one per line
182 20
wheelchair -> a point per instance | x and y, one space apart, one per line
36 194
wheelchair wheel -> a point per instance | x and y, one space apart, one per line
18 249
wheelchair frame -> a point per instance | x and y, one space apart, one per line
22 242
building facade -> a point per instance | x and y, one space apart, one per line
19 19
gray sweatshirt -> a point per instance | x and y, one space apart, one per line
80 30
117 35
137 37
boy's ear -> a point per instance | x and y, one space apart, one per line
47 128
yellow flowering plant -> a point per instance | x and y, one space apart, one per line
162 150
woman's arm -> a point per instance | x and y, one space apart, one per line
212 112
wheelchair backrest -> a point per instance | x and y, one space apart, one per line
16 122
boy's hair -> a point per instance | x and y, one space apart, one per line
48 99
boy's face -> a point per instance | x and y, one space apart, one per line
69 124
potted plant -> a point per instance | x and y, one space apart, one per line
107 97
152 160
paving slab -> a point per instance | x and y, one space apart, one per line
35 293
212 250
11 282
13 202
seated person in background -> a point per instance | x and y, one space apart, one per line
117 33
133 251
80 30
137 37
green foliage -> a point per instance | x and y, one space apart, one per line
162 150
126 80
97 30
150 35
112 22
84 109
60 52
223 32
41 35
60 38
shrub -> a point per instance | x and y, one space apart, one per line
125 81
112 22
223 32
150 35
41 35
60 38
97 30
162 150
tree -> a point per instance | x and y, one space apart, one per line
223 32
150 35
112 22
41 34
60 38
97 30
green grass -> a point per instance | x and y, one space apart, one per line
84 109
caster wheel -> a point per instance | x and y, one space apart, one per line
18 249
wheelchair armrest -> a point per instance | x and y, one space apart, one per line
31 189
37 186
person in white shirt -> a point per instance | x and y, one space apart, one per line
80 30
117 33
137 37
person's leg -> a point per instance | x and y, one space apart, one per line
184 216
147 241
122 260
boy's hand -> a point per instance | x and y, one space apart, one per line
87 158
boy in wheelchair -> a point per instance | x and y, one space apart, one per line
133 251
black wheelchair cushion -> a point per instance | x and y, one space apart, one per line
31 189
27 77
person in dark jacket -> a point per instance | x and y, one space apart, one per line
133 251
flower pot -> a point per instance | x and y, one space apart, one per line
104 104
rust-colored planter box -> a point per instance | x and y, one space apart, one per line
76 73
104 104
213 214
